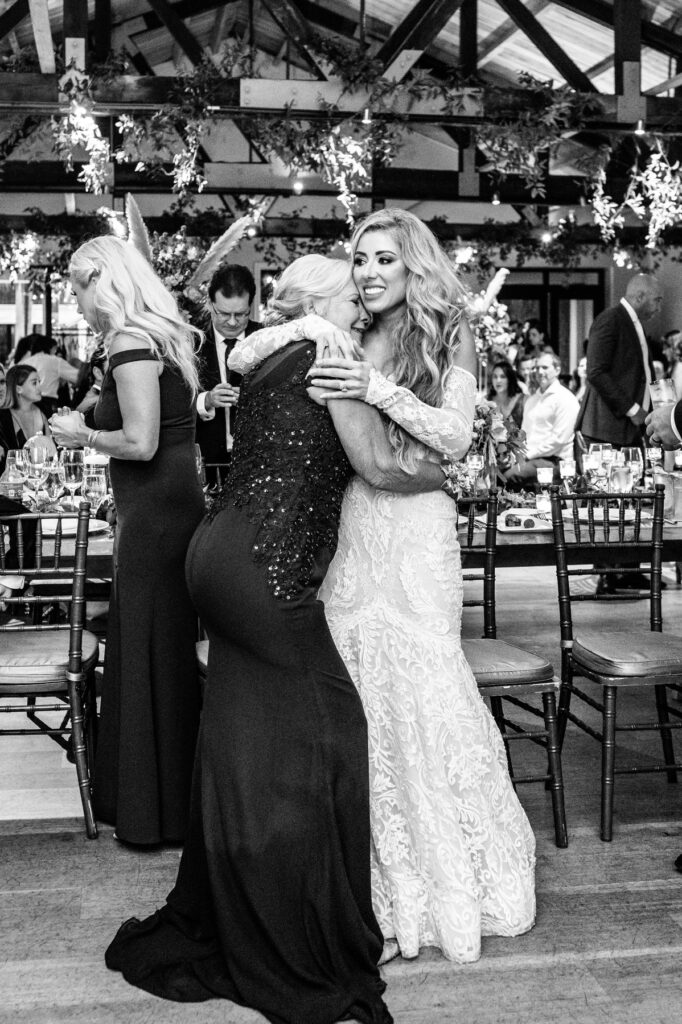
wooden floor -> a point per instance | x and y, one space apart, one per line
606 949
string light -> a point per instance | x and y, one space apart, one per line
495 199
640 127
366 118
298 186
546 237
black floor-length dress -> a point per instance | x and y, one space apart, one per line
150 694
272 906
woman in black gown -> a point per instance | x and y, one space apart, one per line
145 421
272 905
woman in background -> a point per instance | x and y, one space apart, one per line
144 420
506 392
22 418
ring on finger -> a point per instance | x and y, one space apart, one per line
344 387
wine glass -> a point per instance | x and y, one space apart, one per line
94 487
53 484
474 464
568 472
36 462
620 474
545 477
634 459
71 471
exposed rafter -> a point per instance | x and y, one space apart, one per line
42 34
468 38
547 45
504 32
419 28
12 17
287 14
658 38
178 30
102 29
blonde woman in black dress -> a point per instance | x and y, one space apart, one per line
145 421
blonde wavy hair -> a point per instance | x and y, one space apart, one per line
306 281
436 300
130 299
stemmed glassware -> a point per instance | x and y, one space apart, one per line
53 484
567 469
474 464
94 487
620 475
635 460
545 477
71 472
37 469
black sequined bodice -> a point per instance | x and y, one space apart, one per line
288 471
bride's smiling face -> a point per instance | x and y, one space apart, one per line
344 310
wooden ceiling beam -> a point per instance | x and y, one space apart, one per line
178 30
13 16
288 17
468 38
655 36
102 30
504 32
547 45
419 28
42 35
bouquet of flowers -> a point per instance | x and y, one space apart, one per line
496 443
492 331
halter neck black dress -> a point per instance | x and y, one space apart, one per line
150 695
272 906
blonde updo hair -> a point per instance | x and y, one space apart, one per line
435 302
129 298
308 280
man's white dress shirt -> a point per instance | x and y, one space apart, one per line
549 422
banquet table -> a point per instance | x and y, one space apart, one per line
528 547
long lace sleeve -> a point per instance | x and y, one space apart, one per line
253 350
447 430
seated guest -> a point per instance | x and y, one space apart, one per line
54 372
230 295
505 391
536 340
549 423
526 374
10 506
21 417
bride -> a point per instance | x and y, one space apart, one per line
453 853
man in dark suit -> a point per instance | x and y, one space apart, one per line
230 295
619 371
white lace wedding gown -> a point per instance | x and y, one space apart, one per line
453 853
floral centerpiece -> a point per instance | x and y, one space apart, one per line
497 443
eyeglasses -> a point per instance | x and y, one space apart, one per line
228 318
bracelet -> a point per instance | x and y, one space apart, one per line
92 437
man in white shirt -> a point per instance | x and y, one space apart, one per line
231 292
549 417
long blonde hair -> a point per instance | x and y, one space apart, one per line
129 298
306 280
428 338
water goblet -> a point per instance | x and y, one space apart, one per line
545 477
474 464
634 459
620 474
662 392
568 472
36 461
71 472
94 487
53 485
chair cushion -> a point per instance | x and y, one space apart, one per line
496 662
629 653
202 656
36 662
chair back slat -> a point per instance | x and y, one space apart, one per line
480 546
613 525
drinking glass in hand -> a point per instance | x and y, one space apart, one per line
71 471
662 392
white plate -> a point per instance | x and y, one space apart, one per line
70 526
532 521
